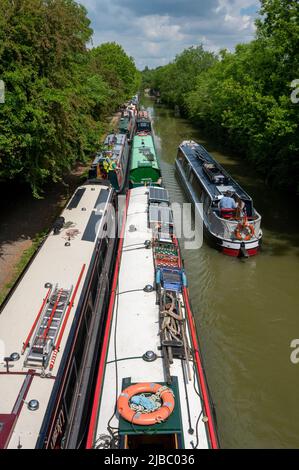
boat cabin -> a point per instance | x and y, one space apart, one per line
143 123
229 217
211 182
144 164
111 162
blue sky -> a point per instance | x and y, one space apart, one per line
154 31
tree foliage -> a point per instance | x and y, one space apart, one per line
178 78
244 98
58 93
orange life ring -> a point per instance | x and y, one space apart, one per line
240 229
145 419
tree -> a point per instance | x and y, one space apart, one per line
57 94
177 79
118 69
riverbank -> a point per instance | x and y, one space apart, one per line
24 221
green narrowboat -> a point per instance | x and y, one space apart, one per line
144 167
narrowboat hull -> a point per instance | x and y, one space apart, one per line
234 248
155 362
63 295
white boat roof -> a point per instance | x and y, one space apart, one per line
54 263
135 328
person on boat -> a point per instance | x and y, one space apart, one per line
109 165
241 209
227 205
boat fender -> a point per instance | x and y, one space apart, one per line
158 277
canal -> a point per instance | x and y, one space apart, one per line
246 310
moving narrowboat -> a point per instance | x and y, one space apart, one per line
144 166
112 162
235 231
143 124
151 390
51 327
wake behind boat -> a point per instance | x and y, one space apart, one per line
232 224
151 390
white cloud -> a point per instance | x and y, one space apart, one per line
153 33
159 28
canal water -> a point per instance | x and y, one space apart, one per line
246 310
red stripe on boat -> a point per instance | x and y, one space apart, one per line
235 253
253 251
205 395
230 251
202 381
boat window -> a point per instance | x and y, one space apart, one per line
196 185
94 287
183 160
102 255
206 201
181 156
152 441
88 316
70 388
185 164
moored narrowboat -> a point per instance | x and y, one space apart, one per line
51 327
127 124
143 124
144 165
151 391
112 162
229 218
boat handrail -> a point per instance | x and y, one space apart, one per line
239 219
226 227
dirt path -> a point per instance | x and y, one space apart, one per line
22 218
10 255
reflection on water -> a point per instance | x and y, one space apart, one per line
246 311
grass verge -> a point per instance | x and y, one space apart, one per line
21 265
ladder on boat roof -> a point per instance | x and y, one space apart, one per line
46 333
